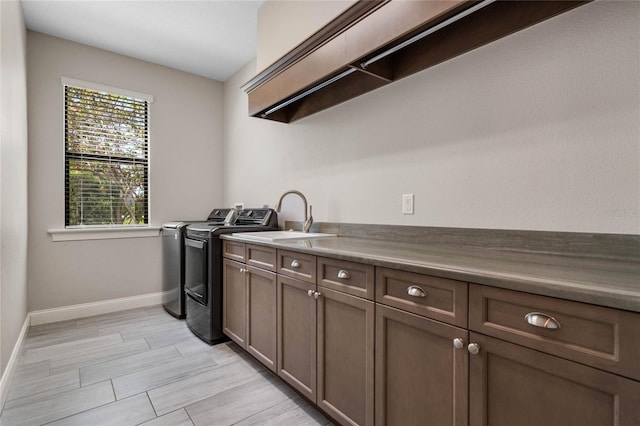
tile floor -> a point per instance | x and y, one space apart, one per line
143 367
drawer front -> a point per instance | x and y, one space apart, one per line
233 250
297 265
604 338
438 298
348 277
261 257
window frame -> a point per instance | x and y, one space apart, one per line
102 231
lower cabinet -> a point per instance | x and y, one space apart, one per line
528 360
249 314
325 349
234 312
296 335
345 369
421 377
261 316
514 386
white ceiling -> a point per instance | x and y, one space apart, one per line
211 38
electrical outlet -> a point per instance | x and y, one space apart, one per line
407 203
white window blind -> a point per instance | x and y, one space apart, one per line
106 158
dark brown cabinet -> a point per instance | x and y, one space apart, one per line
296 331
376 42
421 371
249 300
514 386
261 316
326 337
428 350
345 371
234 312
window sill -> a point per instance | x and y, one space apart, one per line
106 233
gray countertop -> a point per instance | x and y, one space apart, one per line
606 282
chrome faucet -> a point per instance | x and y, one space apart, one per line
308 219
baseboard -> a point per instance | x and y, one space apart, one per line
7 376
64 313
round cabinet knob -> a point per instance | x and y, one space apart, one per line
473 348
317 295
310 293
458 343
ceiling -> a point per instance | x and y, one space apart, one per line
211 38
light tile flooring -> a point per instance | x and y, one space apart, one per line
145 367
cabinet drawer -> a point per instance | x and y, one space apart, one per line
261 257
233 250
438 298
297 265
604 338
348 277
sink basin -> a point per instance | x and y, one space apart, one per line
276 236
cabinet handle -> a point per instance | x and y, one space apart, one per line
416 291
473 348
458 343
310 293
295 264
344 275
243 270
539 319
317 295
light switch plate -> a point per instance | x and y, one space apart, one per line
407 203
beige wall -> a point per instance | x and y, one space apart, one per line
282 25
537 131
13 177
186 170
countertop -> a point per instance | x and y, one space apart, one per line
605 282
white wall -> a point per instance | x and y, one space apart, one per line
13 177
186 170
537 131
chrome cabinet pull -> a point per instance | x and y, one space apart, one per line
542 320
416 291
458 343
296 264
310 293
317 295
344 275
473 348
243 270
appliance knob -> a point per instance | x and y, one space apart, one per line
217 213
250 213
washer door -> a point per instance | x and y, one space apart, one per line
195 269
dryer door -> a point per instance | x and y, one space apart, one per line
195 258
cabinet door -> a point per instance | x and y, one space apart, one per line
345 357
421 378
261 316
296 332
234 298
514 386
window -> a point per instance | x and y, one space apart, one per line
106 156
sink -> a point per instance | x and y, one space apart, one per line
276 236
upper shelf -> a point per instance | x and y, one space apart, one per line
376 42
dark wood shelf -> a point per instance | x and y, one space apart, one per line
377 27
